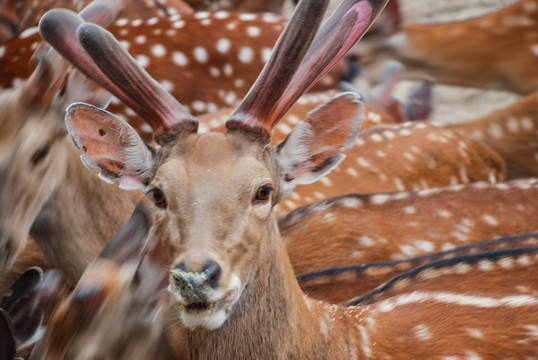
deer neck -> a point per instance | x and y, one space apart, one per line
272 320
80 217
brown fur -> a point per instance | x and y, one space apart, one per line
491 51
341 284
512 132
457 212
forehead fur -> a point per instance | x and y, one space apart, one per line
217 155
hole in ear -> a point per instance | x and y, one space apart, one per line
102 132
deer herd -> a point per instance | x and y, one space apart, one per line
203 180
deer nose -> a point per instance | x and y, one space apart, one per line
208 277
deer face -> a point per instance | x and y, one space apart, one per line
213 201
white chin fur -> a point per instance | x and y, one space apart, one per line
210 322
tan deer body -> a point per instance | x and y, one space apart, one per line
496 50
232 282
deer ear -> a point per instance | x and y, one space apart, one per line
130 240
312 149
111 144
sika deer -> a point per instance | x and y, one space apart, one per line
38 197
339 284
370 228
19 15
116 309
497 50
512 132
214 193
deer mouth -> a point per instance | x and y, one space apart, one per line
210 307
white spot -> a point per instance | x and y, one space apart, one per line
125 44
238 83
205 22
424 245
496 131
171 32
214 71
410 210
246 54
527 124
366 241
469 355
266 54
168 85
462 268
253 31
228 69
380 199
201 15
200 54
122 22
351 202
199 105
2 51
178 24
389 134
221 15
158 50
459 236
142 60
352 172
513 125
270 18
377 138
506 262
230 98
247 17
223 45
363 162
152 21
485 265
146 128
422 332
399 184
179 58
444 214
408 250
474 333
140 39
28 32
490 220
136 22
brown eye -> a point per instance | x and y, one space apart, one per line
263 193
39 155
158 198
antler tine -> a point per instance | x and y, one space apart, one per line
59 28
339 33
147 97
277 73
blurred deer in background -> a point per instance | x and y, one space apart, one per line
116 309
512 132
495 51
232 281
342 283
17 16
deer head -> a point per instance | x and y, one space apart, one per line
115 309
214 193
35 136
